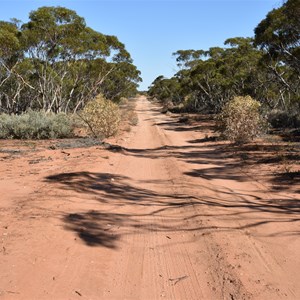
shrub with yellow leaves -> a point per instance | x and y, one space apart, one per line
102 117
240 120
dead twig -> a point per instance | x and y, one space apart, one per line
176 280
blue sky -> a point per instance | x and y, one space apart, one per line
153 29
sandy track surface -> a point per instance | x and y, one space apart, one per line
166 217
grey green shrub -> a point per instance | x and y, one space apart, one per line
35 125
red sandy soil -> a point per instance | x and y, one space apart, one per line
171 215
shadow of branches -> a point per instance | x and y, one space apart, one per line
221 160
206 158
93 227
97 227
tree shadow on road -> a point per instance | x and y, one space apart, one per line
96 227
176 126
222 160
99 227
93 227
206 158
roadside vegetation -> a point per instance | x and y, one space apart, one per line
265 68
102 117
52 67
36 125
240 120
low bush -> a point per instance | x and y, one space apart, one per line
35 125
102 117
240 120
128 114
167 106
284 119
133 119
123 102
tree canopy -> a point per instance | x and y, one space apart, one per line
57 63
265 67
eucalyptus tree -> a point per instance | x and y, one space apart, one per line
266 68
122 82
166 89
11 56
278 35
210 78
62 63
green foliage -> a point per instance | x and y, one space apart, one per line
240 120
279 33
9 41
186 58
210 78
122 82
266 67
35 125
102 117
278 36
54 62
167 90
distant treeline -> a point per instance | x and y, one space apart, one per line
266 67
56 63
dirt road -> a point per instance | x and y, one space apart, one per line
166 217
